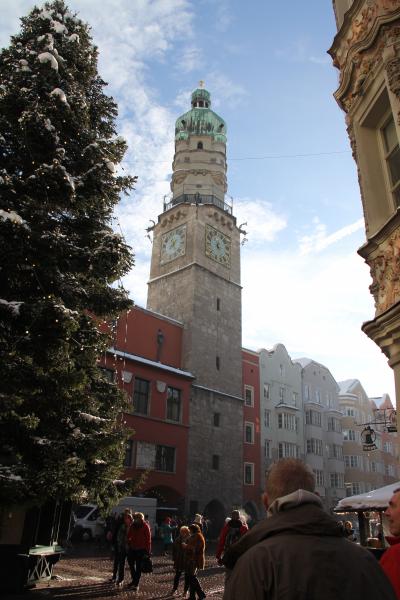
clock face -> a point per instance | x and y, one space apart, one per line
218 246
173 244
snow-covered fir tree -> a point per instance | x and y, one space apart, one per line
59 256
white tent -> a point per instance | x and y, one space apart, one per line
377 499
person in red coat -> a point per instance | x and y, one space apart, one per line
390 560
231 532
139 545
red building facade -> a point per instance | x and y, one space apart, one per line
145 362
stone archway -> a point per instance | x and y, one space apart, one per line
215 513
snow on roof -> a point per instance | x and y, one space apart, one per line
375 499
304 362
152 363
346 385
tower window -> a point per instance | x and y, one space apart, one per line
215 462
217 362
217 419
201 103
218 304
200 146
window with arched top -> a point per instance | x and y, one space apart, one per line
200 146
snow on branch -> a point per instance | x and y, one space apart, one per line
6 473
46 57
58 27
13 306
93 418
59 93
13 217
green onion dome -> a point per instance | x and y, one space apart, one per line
200 120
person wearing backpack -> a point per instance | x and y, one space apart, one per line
231 532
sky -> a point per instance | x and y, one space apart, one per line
291 175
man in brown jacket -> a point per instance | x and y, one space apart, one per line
298 552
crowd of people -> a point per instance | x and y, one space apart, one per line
298 551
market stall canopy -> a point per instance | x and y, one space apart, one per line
376 499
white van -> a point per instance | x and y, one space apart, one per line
147 506
88 524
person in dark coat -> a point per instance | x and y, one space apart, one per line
298 552
178 555
231 532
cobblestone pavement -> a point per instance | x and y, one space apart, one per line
84 571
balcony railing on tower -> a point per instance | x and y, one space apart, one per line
192 195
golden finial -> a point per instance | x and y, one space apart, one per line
201 83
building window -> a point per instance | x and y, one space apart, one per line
352 461
352 489
141 395
266 391
249 433
336 451
314 446
287 421
334 425
295 397
200 146
387 447
173 404
336 480
217 419
108 374
313 417
267 448
281 394
165 459
281 370
392 157
349 435
128 454
267 418
215 462
218 304
217 363
249 395
249 473
288 450
306 392
319 477
318 396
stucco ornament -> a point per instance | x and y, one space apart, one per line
385 273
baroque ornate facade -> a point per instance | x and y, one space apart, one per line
366 50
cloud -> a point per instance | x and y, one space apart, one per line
191 60
262 222
319 240
315 305
225 91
